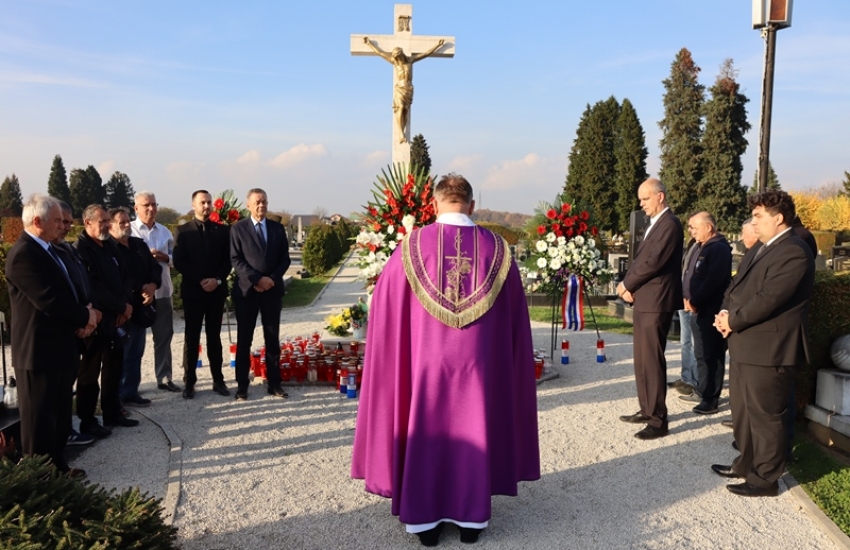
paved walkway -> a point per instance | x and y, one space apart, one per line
271 473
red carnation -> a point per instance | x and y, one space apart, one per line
565 208
556 228
594 230
569 232
569 222
218 204
551 214
582 227
402 230
541 229
233 215
215 217
584 215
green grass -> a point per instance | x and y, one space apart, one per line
606 322
825 478
302 292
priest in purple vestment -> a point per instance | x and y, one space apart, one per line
448 407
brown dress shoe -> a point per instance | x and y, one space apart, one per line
637 418
651 432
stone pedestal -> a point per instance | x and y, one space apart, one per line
833 391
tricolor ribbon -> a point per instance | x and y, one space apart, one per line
572 304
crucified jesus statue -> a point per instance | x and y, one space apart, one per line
403 90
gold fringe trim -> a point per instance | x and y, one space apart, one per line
468 315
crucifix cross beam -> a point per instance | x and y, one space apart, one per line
402 49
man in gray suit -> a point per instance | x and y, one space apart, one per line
762 317
653 284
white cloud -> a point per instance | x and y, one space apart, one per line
299 154
184 172
251 156
532 170
378 157
466 164
105 169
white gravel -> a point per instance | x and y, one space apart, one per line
274 474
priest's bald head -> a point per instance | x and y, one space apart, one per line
453 194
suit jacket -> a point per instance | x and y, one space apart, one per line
655 275
252 262
45 314
767 301
111 282
77 272
711 277
198 256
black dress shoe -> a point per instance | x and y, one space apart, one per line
189 392
705 408
724 471
94 428
637 418
242 396
277 391
651 432
169 386
469 535
431 537
748 490
221 389
121 421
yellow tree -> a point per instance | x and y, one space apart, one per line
834 214
807 204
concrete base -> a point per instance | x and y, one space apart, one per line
832 430
833 391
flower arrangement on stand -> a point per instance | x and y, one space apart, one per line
226 209
566 260
402 203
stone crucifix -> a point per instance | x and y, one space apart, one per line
402 49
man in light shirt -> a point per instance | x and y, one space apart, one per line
161 244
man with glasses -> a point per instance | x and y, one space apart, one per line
161 244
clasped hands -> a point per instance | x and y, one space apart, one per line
623 293
264 284
721 323
95 316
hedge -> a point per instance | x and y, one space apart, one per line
326 245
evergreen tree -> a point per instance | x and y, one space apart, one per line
419 156
85 189
57 184
11 200
720 190
772 180
682 133
592 162
119 191
630 170
846 184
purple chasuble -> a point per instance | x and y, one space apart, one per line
448 407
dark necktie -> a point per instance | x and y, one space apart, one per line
55 256
262 237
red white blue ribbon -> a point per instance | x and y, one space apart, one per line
572 305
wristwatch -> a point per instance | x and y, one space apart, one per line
218 282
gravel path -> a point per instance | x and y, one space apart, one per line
273 474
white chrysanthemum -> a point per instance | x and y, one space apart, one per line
591 242
393 244
555 264
541 246
579 240
550 237
407 221
390 229
562 240
571 245
542 263
553 251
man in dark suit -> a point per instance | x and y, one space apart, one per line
706 282
47 319
104 355
259 252
762 317
653 284
202 256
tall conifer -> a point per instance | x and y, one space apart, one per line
57 183
11 200
720 190
119 191
682 133
419 157
630 171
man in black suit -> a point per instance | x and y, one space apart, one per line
202 256
47 319
763 319
146 277
707 279
104 354
653 284
259 252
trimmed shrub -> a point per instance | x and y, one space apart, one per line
321 249
43 509
12 229
825 240
829 318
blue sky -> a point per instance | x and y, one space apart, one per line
184 95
